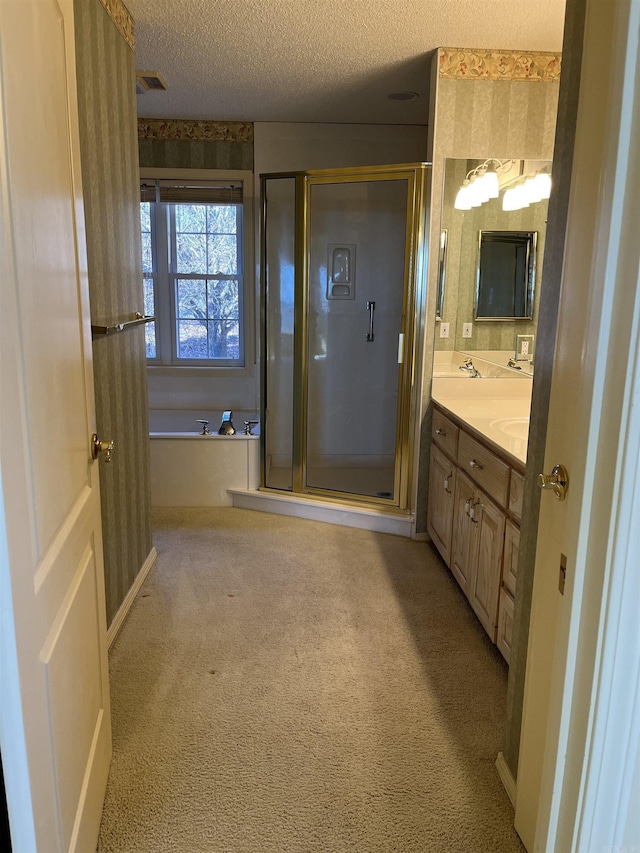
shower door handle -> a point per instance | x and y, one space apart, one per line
371 307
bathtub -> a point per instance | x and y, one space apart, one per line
189 469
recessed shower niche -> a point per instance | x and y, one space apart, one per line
343 268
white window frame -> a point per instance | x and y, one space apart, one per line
165 363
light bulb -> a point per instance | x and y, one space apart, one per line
491 185
543 184
475 192
515 198
463 202
521 195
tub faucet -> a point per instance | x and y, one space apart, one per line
247 427
513 363
468 366
205 427
226 427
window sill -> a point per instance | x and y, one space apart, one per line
201 370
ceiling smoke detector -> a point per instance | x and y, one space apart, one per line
403 96
149 81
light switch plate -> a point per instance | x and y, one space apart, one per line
467 330
444 330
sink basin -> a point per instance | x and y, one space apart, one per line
513 427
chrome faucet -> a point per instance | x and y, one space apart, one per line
205 427
468 366
513 363
247 427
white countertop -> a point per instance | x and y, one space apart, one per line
488 408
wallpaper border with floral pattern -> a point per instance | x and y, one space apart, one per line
209 131
121 17
463 63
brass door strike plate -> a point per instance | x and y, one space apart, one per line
563 573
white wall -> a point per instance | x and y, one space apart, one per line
282 147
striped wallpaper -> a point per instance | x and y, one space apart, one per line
108 141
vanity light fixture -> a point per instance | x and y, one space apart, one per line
481 184
527 190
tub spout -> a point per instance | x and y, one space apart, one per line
226 427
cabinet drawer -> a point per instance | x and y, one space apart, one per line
516 490
445 433
486 469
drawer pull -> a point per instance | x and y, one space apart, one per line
440 432
446 482
475 464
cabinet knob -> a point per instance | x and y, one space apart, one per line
475 464
440 432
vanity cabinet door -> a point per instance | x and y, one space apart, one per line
485 584
463 544
442 477
505 624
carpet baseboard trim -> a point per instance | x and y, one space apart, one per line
121 615
506 778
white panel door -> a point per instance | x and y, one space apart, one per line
55 725
580 724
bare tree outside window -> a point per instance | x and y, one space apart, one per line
204 275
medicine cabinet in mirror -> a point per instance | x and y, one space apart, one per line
505 275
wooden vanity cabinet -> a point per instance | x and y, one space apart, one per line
442 484
508 589
475 500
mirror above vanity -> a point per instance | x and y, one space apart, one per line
491 262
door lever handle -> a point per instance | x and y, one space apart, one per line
98 446
557 480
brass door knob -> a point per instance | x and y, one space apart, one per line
557 480
98 446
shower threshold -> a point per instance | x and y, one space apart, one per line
379 519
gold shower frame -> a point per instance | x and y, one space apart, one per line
418 176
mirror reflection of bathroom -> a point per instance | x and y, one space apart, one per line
491 254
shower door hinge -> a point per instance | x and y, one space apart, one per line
400 348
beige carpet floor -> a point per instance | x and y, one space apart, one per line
286 686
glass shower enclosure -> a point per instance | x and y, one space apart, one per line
343 259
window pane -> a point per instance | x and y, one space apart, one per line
191 218
222 254
147 256
222 219
149 308
192 338
191 252
224 339
192 299
149 297
145 216
223 302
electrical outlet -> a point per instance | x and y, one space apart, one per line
524 347
444 330
467 330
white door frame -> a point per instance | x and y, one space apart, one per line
591 759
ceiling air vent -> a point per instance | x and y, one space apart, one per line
149 81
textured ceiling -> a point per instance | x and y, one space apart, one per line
318 60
